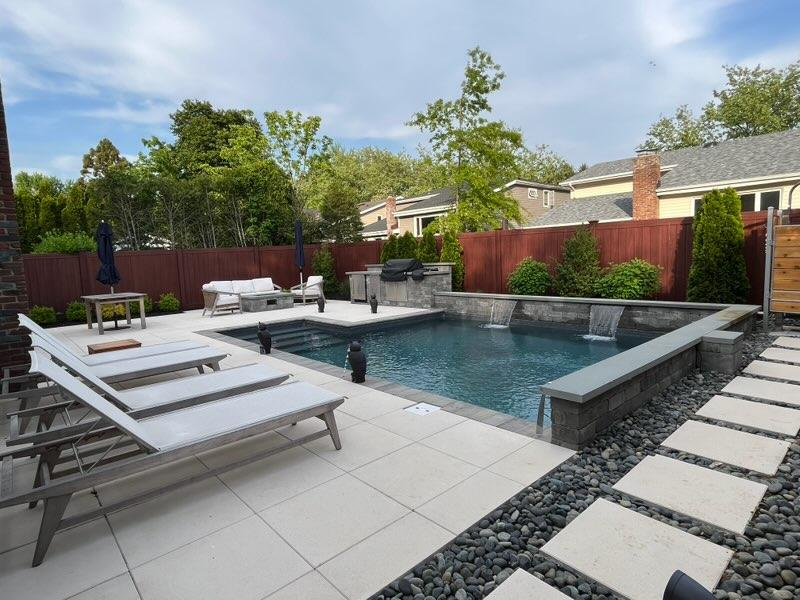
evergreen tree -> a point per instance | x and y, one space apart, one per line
579 270
452 252
718 272
407 246
426 251
389 250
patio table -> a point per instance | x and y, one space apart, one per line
98 300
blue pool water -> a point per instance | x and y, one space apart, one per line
500 369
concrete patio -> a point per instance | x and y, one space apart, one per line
310 522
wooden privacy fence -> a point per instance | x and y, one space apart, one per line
489 257
785 296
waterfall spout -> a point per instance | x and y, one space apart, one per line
501 313
603 321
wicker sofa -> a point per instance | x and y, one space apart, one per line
221 296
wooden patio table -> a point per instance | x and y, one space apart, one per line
98 300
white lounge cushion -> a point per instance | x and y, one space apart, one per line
313 280
219 286
224 299
263 284
243 286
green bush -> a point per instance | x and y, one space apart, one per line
389 250
113 310
168 303
76 311
43 315
531 278
636 279
718 272
55 242
452 252
407 246
148 307
426 250
324 264
579 270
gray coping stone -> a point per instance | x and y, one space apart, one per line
591 381
762 368
732 447
723 337
773 391
755 415
632 554
703 494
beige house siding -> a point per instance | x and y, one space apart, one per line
372 215
533 208
404 224
681 204
601 188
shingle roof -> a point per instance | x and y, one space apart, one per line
440 197
744 158
611 207
375 227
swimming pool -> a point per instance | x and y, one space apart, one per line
500 369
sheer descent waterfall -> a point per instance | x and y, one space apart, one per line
501 313
603 320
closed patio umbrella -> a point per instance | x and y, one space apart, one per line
299 252
108 273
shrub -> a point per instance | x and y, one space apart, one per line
148 307
407 246
111 310
389 250
55 242
579 270
43 315
76 311
452 252
168 302
636 279
426 251
718 272
531 278
325 265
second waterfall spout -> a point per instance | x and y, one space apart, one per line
603 322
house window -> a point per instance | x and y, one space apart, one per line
422 223
748 202
533 194
698 203
772 199
548 198
760 200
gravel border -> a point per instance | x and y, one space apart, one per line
766 563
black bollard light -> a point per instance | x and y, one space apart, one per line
320 304
373 303
682 587
358 362
265 337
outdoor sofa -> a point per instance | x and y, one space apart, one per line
227 295
82 461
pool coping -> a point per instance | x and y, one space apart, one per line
458 407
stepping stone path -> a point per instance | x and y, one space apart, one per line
635 555
716 498
632 554
521 585
755 415
759 389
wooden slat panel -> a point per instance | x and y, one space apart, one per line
786 263
785 307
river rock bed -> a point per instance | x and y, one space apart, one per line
766 563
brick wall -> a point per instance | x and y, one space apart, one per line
13 297
646 174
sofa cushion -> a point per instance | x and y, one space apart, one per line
263 284
224 299
219 286
314 279
242 286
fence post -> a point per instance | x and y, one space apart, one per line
768 266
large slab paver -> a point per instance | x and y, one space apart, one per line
465 503
521 585
746 450
788 342
782 355
368 566
309 587
246 561
632 554
756 415
415 474
476 443
773 391
328 519
362 443
119 588
703 494
372 403
414 426
762 368
531 462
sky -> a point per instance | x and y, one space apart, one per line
585 77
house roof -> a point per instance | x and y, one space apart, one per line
760 156
611 207
433 199
375 227
536 184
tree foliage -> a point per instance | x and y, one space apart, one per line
324 264
426 250
682 130
718 272
453 252
530 278
406 246
543 165
635 279
579 270
389 250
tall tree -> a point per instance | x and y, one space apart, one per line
32 191
99 160
476 154
682 130
339 216
543 165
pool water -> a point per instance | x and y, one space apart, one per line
500 369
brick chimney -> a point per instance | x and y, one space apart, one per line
391 219
13 297
646 175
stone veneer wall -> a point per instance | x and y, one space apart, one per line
13 296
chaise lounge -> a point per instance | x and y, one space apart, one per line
227 295
311 289
82 461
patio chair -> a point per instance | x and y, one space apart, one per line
227 295
83 461
311 289
138 402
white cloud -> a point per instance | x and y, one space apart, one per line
147 113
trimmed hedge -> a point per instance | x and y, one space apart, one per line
76 311
579 270
43 315
54 242
635 279
168 303
530 278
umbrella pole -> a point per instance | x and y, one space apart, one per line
302 289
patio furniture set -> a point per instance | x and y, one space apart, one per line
257 295
88 433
